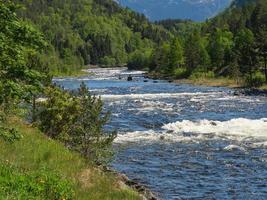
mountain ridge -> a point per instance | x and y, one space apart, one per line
177 9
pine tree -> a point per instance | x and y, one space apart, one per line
176 56
87 134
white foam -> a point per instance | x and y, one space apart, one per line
235 129
232 147
151 136
260 144
239 127
111 73
148 106
152 96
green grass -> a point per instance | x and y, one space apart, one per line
215 82
35 153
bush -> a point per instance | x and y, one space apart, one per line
108 61
78 121
6 133
202 75
256 80
42 184
181 73
139 59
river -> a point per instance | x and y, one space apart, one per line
184 141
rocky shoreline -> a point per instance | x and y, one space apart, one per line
124 181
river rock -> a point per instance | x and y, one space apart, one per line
129 78
213 123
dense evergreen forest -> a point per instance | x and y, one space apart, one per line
82 32
232 44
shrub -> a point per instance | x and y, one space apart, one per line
108 61
6 133
202 75
79 122
256 80
139 59
86 133
181 73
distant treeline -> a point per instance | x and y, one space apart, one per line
233 45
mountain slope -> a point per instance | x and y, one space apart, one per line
81 32
197 10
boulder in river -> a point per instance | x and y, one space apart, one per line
213 123
130 78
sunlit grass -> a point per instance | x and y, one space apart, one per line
35 151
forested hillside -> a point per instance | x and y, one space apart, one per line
82 32
232 45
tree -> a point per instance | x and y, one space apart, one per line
176 56
20 70
259 26
245 51
160 59
139 59
195 52
87 134
77 121
220 44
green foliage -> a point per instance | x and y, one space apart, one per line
36 153
20 70
201 75
176 55
220 45
245 48
180 73
57 112
257 79
78 122
42 184
160 59
195 52
232 44
9 134
82 32
139 59
86 134
108 61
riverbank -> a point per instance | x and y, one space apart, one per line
46 164
74 74
213 82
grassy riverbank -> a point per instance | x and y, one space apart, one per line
212 82
217 82
36 166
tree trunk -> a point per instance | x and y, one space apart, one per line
265 67
33 108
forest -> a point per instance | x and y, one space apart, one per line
232 44
95 32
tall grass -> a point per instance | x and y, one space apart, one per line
35 152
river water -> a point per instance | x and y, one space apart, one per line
184 141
